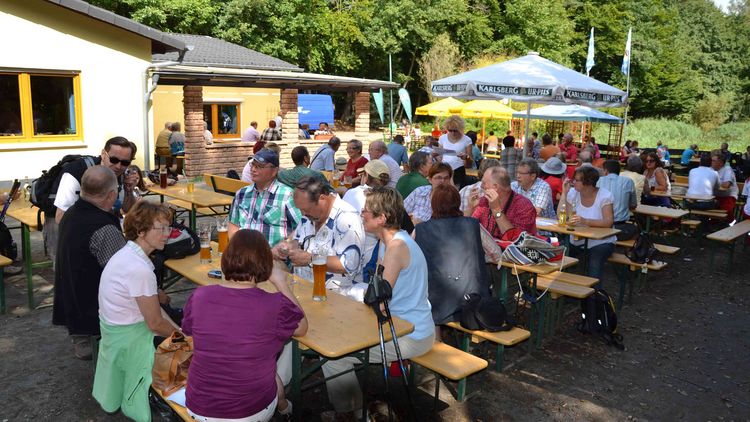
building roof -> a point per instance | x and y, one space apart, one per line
160 42
213 52
255 78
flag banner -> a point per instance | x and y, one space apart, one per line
378 97
590 57
403 96
626 57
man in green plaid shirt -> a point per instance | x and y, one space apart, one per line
267 205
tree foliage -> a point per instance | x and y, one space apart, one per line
688 57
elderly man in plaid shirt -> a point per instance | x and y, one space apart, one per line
267 204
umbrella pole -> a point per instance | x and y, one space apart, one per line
484 136
526 129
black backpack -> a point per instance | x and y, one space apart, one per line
182 242
598 317
643 250
484 313
44 189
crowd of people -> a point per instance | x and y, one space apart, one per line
392 208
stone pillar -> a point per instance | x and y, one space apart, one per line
289 126
195 148
362 115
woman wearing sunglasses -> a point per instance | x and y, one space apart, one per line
130 315
457 148
657 180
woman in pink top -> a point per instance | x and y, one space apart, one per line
238 330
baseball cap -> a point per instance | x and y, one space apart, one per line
267 156
376 167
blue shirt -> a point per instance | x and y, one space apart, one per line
476 155
623 191
398 153
686 156
409 299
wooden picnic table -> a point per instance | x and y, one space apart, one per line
27 215
654 212
338 326
682 197
577 232
199 198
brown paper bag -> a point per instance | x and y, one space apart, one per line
171 362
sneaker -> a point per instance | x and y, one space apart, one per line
12 270
82 347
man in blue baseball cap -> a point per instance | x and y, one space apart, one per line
265 205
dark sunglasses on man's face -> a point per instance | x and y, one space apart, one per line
115 160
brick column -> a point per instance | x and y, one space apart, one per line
195 148
362 115
289 126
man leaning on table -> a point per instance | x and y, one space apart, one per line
331 223
265 205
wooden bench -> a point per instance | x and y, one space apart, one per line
179 203
225 185
728 237
501 339
623 262
720 214
691 225
665 249
451 363
4 262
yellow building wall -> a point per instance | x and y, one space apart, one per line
111 61
256 104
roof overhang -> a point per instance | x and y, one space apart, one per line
253 78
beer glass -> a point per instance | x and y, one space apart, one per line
204 234
221 232
319 257
348 182
163 177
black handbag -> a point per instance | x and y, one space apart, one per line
484 313
643 250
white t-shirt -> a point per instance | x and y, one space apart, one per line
702 181
247 172
746 193
67 192
356 197
451 158
128 274
394 170
726 174
594 212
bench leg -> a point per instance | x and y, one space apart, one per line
437 393
2 292
499 357
622 276
27 265
731 256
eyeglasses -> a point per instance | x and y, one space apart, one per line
115 160
261 166
164 229
453 130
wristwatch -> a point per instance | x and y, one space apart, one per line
498 214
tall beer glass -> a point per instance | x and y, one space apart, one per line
204 233
319 258
222 234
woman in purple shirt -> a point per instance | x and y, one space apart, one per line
238 330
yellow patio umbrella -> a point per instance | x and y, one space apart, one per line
484 109
441 108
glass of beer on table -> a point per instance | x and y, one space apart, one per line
348 182
319 258
221 232
204 234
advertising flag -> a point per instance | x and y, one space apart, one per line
626 57
590 57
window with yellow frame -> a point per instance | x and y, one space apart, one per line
39 107
222 120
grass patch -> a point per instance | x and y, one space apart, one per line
679 135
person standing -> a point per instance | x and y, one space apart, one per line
510 156
457 148
162 143
89 234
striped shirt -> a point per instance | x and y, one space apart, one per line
270 211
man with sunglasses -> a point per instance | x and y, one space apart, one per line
117 155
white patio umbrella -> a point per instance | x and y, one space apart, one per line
571 112
531 79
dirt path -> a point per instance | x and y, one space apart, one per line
686 359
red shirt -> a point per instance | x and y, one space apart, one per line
556 184
352 167
570 151
521 214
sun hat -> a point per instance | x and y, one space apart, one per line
267 156
376 167
554 166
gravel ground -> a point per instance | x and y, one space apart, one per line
686 358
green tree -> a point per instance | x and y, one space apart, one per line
179 16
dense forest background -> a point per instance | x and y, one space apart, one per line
690 61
